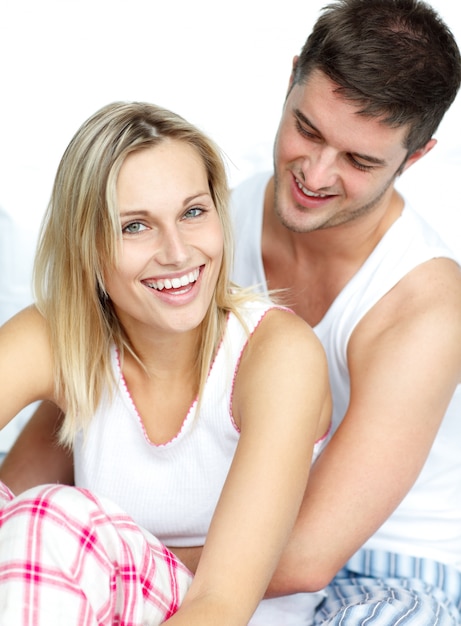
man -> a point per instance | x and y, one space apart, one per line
380 525
366 95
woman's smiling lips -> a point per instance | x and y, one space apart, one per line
178 284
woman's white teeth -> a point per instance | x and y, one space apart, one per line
311 194
175 283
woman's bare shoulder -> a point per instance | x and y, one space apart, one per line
283 327
28 321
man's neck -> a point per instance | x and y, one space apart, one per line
316 266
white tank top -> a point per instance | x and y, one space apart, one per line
170 489
428 521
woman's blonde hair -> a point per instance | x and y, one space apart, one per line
80 237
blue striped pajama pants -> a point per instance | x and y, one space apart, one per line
382 589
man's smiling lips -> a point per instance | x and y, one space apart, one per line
175 283
308 193
306 198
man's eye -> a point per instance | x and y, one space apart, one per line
360 166
134 227
304 132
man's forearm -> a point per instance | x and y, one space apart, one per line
189 556
36 457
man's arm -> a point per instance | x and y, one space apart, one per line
36 457
404 362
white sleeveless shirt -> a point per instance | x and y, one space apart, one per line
428 521
170 489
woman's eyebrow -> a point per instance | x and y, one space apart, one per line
145 212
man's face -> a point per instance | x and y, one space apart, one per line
332 166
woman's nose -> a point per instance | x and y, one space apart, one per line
172 250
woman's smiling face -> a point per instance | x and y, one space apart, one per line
172 241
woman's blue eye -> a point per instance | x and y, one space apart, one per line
134 227
194 212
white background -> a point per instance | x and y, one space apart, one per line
223 66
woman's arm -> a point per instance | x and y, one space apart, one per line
26 373
282 405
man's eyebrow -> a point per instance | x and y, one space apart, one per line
363 157
302 118
371 159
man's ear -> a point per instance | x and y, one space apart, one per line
418 154
293 69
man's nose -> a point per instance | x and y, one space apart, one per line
321 169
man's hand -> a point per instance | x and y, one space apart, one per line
189 556
36 457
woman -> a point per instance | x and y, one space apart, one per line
185 397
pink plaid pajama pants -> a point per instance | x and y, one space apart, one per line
70 558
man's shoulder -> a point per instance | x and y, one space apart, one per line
247 209
409 274
437 283
250 192
408 243
423 233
